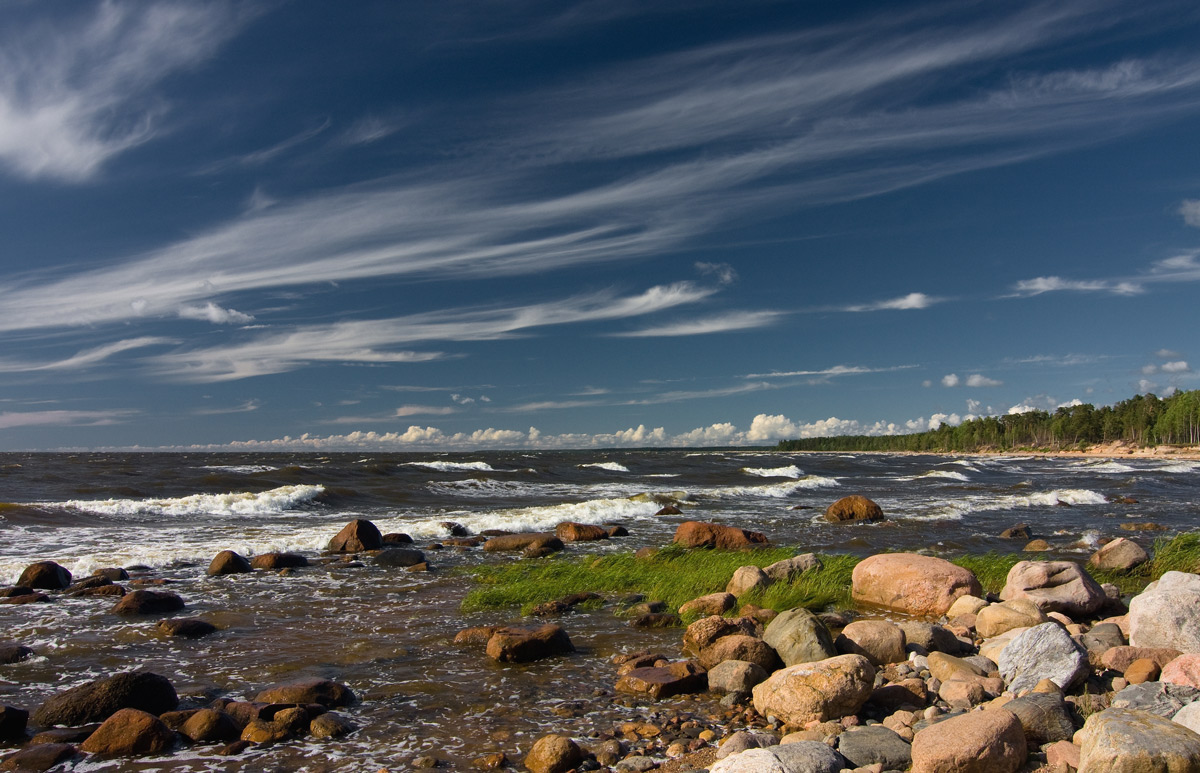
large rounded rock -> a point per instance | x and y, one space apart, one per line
210 726
1120 555
976 742
827 689
1045 651
278 561
996 619
695 534
98 700
853 508
229 562
148 602
1043 717
911 583
712 604
326 692
878 641
746 579
129 732
46 575
569 531
355 537
706 630
1167 613
790 568
1055 586
739 647
802 756
506 542
875 744
735 676
1132 741
399 557
523 645
799 636
553 754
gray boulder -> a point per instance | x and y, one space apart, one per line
800 757
1055 586
743 740
1167 613
790 568
735 676
1045 651
873 744
1043 717
1161 698
1132 741
799 637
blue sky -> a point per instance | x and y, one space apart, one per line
455 225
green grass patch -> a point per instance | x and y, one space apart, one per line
1179 554
673 575
991 569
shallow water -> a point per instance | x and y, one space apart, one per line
387 633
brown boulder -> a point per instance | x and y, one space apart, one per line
853 508
976 742
707 630
1020 531
916 584
740 647
817 691
325 692
229 562
210 726
553 754
278 561
878 641
695 534
355 537
680 678
187 627
330 725
284 724
712 604
148 602
1055 586
568 531
130 732
523 645
1120 555
98 700
39 757
535 542
476 634
46 575
1120 658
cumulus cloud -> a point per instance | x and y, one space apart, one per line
1146 385
1167 354
950 380
1190 210
977 380
211 312
1179 366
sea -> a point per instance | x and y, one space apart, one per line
388 634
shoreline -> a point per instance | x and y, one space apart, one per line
1107 451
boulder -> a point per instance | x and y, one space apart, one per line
1044 718
1103 637
875 744
325 692
1036 546
928 637
878 641
229 562
1120 658
399 558
1130 741
680 678
911 583
965 605
735 676
946 667
853 508
553 754
355 537
1120 555
397 538
712 604
743 740
330 725
802 756
1184 670
707 630
746 579
1019 531
1161 698
1189 717
39 757
1055 586
695 534
820 691
187 627
114 573
790 568
148 602
996 619
12 723
1167 613
99 699
506 542
210 726
523 645
799 637
284 724
45 575
975 742
278 561
1045 651
14 653
1142 670
739 647
569 531
130 732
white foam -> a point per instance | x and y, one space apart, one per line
942 474
610 466
247 469
791 471
1108 467
775 490
958 508
274 501
528 519
453 466
1180 467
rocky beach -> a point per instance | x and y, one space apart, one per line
172 619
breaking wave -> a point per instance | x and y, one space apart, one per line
275 501
791 471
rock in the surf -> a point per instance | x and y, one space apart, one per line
399 557
12 723
187 627
278 561
14 653
853 508
523 645
229 562
553 754
912 583
42 756
1055 586
45 575
99 699
522 541
210 726
355 537
569 531
325 692
148 602
697 534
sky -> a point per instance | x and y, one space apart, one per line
272 225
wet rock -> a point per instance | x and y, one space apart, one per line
396 538
1019 531
1044 718
148 602
235 748
822 690
669 510
77 588
789 569
187 627
1161 698
26 598
477 634
1036 546
455 529
15 590
746 579
1120 555
114 573
71 735
740 647
523 645
97 700
696 534
12 723
45 575
285 724
618 531
229 562
330 725
996 619
210 726
911 583
1055 586
400 558
853 508
553 754
806 756
355 537
102 590
744 740
712 604
1131 741
14 653
976 742
705 631
799 637
658 682
325 692
875 744
1045 651
731 676
878 641
130 732
569 531
928 637
521 541
278 561
1167 613
655 620
39 758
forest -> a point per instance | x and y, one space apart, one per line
1143 420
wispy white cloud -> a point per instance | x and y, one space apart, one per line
722 323
425 410
88 357
76 92
1050 284
13 419
1178 366
248 406
271 152
977 380
1190 210
836 370
213 313
906 302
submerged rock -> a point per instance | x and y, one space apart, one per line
696 534
229 562
97 700
325 692
148 602
355 537
46 575
279 561
853 508
523 645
